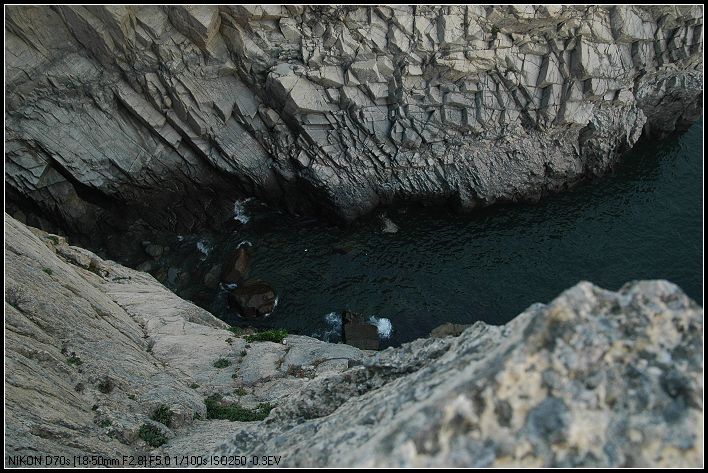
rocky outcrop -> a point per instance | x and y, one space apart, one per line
167 113
95 351
595 378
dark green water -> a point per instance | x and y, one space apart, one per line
641 221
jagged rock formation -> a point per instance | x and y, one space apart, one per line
164 112
595 378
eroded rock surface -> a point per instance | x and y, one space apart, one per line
595 378
115 112
94 349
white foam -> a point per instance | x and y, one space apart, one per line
334 322
240 210
383 326
204 248
244 243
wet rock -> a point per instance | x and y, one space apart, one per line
253 298
153 250
387 225
236 267
212 277
448 329
356 331
147 266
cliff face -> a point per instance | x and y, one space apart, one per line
164 112
595 378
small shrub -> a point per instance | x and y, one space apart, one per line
240 392
221 363
274 335
234 412
194 385
243 353
106 385
235 330
163 415
230 341
105 423
74 360
48 271
495 31
131 397
54 239
152 435
234 376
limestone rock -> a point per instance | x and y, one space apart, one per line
168 114
595 378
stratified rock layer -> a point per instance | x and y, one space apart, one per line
595 378
161 112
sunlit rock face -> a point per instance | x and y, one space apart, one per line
161 113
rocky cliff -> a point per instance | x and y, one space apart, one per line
103 360
169 113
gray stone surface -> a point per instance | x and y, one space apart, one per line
595 378
165 111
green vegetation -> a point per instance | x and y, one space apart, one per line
47 270
194 385
131 397
240 392
234 376
274 335
236 330
74 360
152 435
495 31
54 239
230 341
243 353
163 415
221 363
105 423
234 412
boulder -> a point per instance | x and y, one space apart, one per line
356 331
236 267
253 298
448 329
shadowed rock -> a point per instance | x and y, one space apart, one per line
236 267
356 331
253 298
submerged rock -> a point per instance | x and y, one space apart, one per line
358 332
236 267
253 298
387 225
